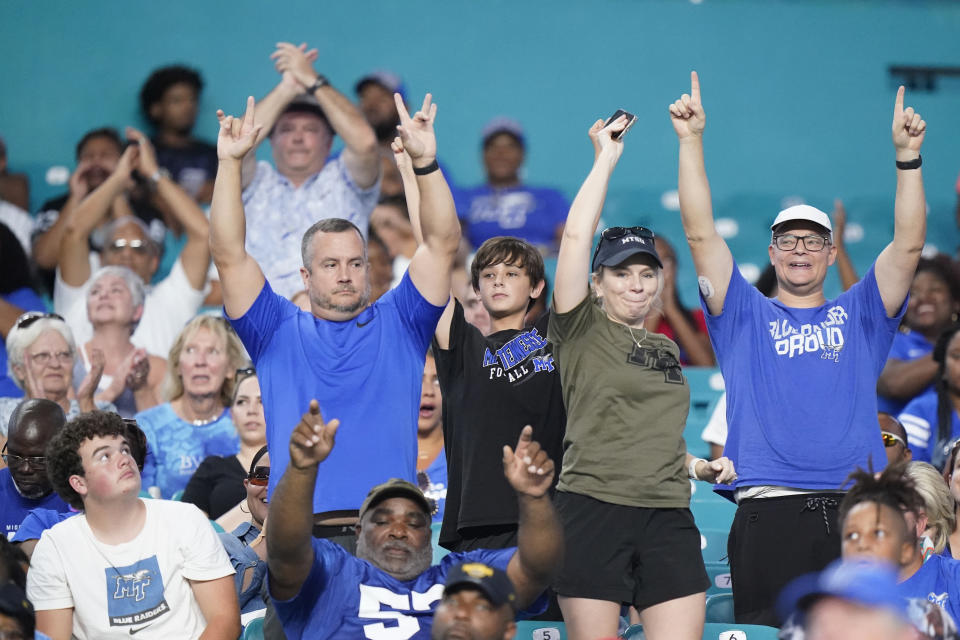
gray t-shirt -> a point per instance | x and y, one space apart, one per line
626 409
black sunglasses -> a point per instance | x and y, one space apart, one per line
260 476
30 317
614 233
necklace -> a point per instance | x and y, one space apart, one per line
201 422
637 342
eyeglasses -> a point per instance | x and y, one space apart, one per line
614 233
788 242
247 371
259 477
891 439
43 358
15 461
30 317
140 246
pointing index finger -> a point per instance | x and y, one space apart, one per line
695 86
898 104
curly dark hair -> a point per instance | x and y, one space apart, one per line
162 79
892 488
63 450
107 133
508 250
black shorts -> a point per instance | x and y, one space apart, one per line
630 555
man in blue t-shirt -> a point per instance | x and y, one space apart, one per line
24 484
504 206
320 591
801 371
363 363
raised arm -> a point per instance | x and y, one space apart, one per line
711 256
289 551
573 260
46 246
361 155
529 470
898 261
432 264
195 255
75 245
240 276
845 268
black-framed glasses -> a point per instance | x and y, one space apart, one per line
259 477
891 439
788 242
615 233
15 462
28 318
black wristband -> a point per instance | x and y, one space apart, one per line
430 168
321 81
910 164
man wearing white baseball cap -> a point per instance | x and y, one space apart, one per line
801 371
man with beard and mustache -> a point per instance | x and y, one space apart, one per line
169 100
24 484
363 362
321 591
98 153
301 116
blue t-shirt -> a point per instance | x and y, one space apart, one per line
38 521
366 372
14 507
27 300
175 448
345 597
437 491
801 384
919 419
937 581
907 345
531 213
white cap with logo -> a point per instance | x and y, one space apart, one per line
803 212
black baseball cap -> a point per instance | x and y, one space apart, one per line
492 582
14 603
619 243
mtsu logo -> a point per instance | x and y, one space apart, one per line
132 585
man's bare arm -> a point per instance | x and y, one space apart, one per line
56 623
711 256
240 276
217 600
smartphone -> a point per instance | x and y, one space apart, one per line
630 120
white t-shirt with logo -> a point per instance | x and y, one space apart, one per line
136 589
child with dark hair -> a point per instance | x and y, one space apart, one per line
881 518
169 101
125 564
931 419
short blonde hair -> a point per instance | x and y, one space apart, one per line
236 356
937 501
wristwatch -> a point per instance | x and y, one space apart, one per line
320 82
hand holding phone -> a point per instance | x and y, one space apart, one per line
616 135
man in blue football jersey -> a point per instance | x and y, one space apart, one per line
321 591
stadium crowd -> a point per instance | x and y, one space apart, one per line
239 398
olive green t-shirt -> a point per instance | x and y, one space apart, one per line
626 409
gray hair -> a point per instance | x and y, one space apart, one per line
18 340
132 280
327 225
937 501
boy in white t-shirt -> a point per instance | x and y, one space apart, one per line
124 565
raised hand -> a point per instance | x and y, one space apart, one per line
908 127
78 180
295 62
400 156
528 468
601 136
312 439
135 369
237 136
147 158
839 218
128 161
92 380
417 133
687 113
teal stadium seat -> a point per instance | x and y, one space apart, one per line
720 608
704 395
727 631
253 630
530 630
711 514
438 551
719 575
713 544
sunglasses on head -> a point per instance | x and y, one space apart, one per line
259 477
30 317
246 371
614 233
891 439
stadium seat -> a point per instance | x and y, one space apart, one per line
720 608
719 576
254 630
703 399
531 630
634 632
713 515
438 551
177 495
728 631
713 544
